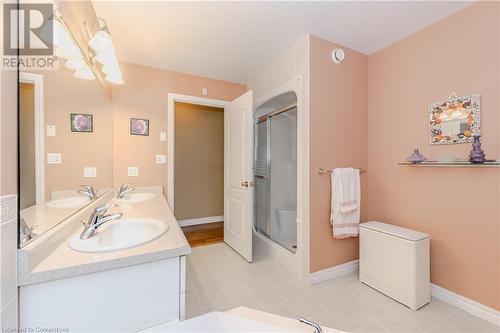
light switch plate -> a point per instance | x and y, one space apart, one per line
133 171
51 130
163 136
54 158
161 159
90 172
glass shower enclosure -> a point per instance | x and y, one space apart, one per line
276 176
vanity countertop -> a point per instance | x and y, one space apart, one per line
64 262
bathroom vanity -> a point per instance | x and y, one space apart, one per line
127 277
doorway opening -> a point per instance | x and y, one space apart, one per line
236 169
199 171
31 142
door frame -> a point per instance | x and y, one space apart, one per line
37 81
172 99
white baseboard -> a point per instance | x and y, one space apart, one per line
477 309
333 272
466 304
201 220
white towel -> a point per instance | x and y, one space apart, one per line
345 202
348 184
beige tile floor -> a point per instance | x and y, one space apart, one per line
218 279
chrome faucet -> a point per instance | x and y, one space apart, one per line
88 191
97 218
26 231
317 328
124 189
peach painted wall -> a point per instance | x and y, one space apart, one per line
458 207
65 94
144 95
338 138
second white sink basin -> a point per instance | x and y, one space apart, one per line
71 202
120 234
137 197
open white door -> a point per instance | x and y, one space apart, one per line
238 177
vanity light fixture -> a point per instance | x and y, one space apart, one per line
104 53
66 48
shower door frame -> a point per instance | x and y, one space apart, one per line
268 118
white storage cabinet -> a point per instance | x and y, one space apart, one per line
395 261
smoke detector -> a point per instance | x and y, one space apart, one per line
338 56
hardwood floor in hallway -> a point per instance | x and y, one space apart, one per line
204 234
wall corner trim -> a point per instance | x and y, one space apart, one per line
477 309
333 272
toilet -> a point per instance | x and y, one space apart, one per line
287 221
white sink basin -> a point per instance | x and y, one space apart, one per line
119 234
137 197
68 202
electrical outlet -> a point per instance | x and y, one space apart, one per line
54 158
161 159
133 171
51 130
163 136
204 91
90 172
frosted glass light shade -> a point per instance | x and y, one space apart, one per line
61 36
115 79
111 69
106 58
69 52
75 64
85 74
101 42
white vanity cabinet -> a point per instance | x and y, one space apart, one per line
126 299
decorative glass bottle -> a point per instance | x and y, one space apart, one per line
416 157
477 155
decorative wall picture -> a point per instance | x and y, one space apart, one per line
455 120
81 122
139 126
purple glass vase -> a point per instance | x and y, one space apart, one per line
416 157
477 155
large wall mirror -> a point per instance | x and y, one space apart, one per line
65 141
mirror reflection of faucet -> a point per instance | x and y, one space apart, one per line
124 189
27 232
96 219
88 191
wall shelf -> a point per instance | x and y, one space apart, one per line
454 164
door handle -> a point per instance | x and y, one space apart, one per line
247 184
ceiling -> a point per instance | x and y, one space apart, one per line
234 41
